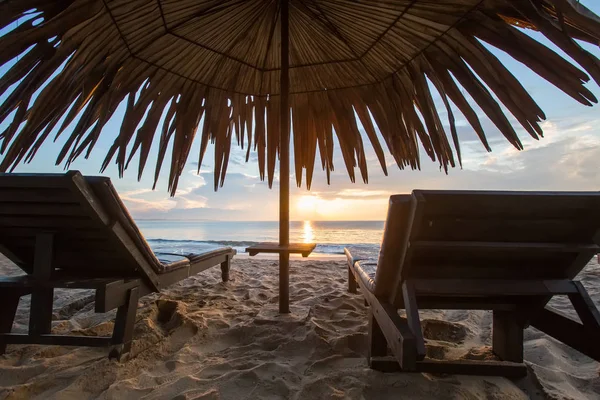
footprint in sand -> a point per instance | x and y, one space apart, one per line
444 331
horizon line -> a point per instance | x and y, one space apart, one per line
274 220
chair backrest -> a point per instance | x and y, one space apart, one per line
394 243
488 235
94 236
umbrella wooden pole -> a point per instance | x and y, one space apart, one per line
284 165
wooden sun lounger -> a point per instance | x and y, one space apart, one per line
509 252
70 231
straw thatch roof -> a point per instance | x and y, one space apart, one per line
219 60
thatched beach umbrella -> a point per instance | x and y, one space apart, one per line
242 67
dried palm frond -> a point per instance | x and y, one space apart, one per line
217 62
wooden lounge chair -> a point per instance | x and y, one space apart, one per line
70 231
509 252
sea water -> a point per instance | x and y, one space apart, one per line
176 236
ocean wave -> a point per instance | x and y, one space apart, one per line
232 243
196 246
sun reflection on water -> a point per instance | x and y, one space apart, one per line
308 232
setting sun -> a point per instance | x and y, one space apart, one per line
307 204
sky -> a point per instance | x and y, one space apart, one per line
567 158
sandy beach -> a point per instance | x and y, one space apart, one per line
204 339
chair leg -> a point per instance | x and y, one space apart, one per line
507 336
582 338
124 324
9 300
225 266
40 314
377 341
387 328
413 319
585 308
351 281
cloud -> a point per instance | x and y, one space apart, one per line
191 184
195 164
187 203
136 206
147 201
360 193
135 192
197 213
